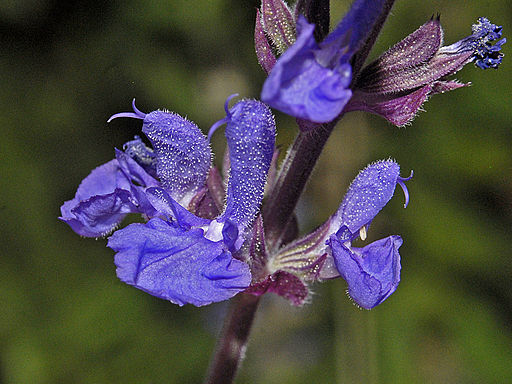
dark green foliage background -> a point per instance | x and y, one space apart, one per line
65 67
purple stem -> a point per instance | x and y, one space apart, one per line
233 340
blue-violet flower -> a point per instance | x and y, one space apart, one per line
372 272
178 255
311 80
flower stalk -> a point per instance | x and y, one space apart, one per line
232 343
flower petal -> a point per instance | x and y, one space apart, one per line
367 195
484 54
355 28
250 133
372 273
106 196
182 151
168 207
177 265
99 215
143 155
302 87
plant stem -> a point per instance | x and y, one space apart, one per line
293 176
232 343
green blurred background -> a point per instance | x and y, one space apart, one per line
65 67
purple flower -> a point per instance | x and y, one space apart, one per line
397 84
311 80
372 272
178 255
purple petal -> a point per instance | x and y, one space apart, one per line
182 151
316 12
168 207
372 273
264 53
106 196
367 195
99 215
283 284
143 155
250 134
177 265
360 25
302 87
484 54
134 171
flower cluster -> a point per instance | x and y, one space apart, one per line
203 236
315 81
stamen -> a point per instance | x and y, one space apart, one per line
362 233
401 181
136 114
216 125
224 120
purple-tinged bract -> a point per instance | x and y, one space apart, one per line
398 83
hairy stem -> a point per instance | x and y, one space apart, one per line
233 340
